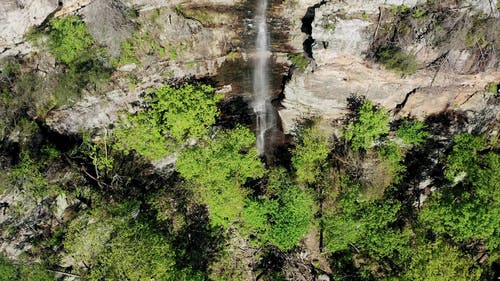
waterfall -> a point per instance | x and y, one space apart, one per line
261 103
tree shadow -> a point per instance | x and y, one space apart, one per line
426 162
198 243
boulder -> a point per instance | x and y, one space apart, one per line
16 19
109 23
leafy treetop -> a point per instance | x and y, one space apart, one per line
282 218
469 208
412 132
370 125
172 117
219 169
309 157
69 38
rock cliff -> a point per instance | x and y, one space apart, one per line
449 75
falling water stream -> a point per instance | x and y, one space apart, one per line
261 84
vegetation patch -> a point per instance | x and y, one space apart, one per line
370 125
300 61
172 117
395 58
493 88
412 132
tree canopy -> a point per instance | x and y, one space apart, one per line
69 39
171 117
284 216
219 168
370 124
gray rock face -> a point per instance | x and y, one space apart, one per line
348 36
486 7
343 34
108 22
324 93
25 218
145 5
192 50
16 18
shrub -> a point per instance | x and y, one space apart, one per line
284 217
493 88
10 271
69 39
399 9
412 132
440 261
369 126
117 246
395 58
393 155
299 60
365 224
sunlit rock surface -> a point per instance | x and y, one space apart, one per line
341 38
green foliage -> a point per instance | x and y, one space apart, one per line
219 168
172 117
439 261
99 152
395 58
299 60
418 12
69 38
144 135
85 65
309 156
464 157
392 154
283 218
10 271
146 42
26 176
365 225
89 74
412 132
470 209
187 112
370 125
154 15
138 253
399 9
118 246
477 36
493 88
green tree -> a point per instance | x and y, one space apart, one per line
464 157
219 168
309 156
284 217
364 225
115 244
439 261
172 117
392 154
10 271
412 132
469 208
69 38
369 126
